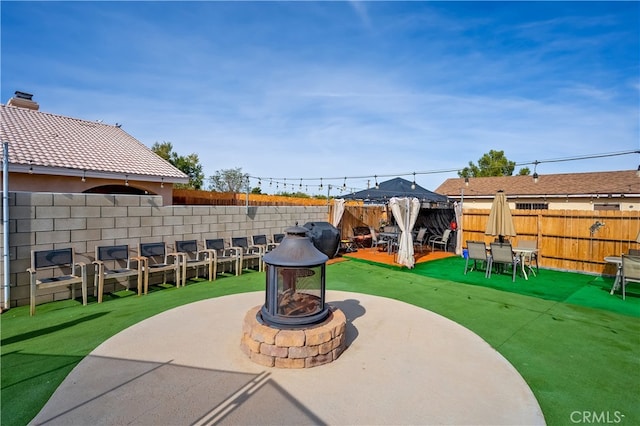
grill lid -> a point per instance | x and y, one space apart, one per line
296 249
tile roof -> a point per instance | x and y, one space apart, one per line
42 139
592 183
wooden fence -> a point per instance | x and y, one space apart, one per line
194 197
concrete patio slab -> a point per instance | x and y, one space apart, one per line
403 365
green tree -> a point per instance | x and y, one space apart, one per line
229 180
524 171
256 190
493 163
189 164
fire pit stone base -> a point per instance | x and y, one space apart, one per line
301 348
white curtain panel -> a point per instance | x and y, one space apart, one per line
457 207
405 211
338 211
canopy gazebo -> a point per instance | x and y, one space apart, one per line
436 211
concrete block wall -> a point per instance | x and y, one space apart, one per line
42 221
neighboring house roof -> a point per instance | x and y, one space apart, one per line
55 144
396 187
594 183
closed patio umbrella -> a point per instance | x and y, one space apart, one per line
500 223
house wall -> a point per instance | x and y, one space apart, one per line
42 221
24 182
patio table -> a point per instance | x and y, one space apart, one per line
391 237
523 253
617 260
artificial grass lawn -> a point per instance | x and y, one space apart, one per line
575 358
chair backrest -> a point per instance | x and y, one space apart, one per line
445 235
190 247
528 244
216 244
477 250
421 234
277 238
52 258
631 267
105 253
260 240
151 250
501 253
241 242
634 252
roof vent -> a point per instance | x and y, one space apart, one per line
23 100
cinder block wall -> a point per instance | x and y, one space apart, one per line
42 221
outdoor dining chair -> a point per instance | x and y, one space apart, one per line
440 240
630 272
478 253
222 256
193 257
250 255
158 259
115 262
502 254
421 239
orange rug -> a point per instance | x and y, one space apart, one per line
378 256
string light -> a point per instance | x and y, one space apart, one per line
161 182
126 180
535 175
413 185
84 176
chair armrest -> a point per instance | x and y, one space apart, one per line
213 254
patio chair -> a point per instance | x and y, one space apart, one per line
421 239
376 241
114 262
222 255
630 272
49 263
442 240
250 255
157 259
262 241
362 236
193 257
502 254
477 252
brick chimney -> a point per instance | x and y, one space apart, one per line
23 100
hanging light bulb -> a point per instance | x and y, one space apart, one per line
535 173
344 184
84 176
376 180
320 187
259 181
270 182
413 185
466 181
30 167
161 182
300 184
126 180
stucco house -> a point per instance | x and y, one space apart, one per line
615 190
53 153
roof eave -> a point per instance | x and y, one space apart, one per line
96 174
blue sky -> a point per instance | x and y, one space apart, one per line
303 90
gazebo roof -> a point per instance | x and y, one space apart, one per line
396 187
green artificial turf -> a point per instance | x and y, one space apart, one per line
574 356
